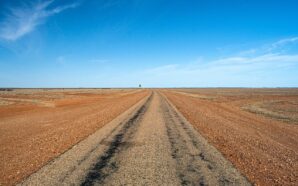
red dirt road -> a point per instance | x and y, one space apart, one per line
149 144
31 135
263 149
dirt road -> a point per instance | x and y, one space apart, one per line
32 135
149 144
264 149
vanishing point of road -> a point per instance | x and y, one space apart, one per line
149 144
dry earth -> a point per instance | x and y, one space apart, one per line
262 146
32 132
150 144
139 137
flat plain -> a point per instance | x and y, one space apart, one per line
256 129
149 136
37 125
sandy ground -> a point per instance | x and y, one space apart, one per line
136 137
262 147
149 144
32 134
274 103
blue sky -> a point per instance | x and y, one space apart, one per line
158 43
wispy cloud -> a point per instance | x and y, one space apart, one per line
255 69
241 63
24 19
280 46
266 58
285 41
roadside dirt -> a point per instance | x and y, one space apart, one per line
31 134
274 103
149 144
263 149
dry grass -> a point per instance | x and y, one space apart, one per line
4 102
279 104
200 96
32 133
272 109
9 101
263 149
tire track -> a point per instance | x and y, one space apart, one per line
197 162
106 164
72 167
150 162
153 145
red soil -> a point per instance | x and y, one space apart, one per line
263 149
32 135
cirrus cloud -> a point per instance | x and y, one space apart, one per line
22 20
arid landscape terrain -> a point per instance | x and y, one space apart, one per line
135 92
256 129
37 125
216 136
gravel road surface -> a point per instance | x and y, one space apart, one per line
149 144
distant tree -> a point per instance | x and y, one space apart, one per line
140 86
